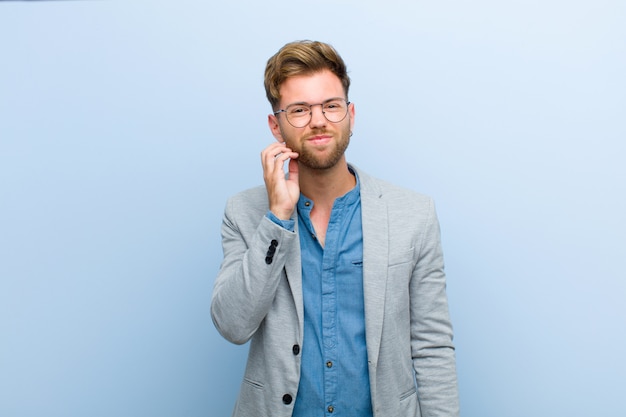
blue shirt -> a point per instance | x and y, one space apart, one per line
334 377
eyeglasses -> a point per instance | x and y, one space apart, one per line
299 114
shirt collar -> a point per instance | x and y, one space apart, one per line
306 204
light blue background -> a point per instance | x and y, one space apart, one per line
125 125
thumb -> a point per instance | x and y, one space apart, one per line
293 170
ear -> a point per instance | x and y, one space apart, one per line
351 113
272 122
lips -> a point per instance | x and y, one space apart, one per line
319 139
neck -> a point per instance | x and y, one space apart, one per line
324 186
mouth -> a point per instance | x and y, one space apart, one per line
319 139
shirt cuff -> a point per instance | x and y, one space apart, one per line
286 224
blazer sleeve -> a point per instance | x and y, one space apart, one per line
255 250
431 330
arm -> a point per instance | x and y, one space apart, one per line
255 251
246 283
431 329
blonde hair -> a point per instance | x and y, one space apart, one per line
302 58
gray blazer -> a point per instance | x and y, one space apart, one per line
258 296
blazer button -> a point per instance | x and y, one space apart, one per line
295 349
287 399
268 260
274 242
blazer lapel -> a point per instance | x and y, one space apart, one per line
375 259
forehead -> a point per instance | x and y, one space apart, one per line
311 88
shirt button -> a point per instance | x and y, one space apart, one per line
287 399
331 408
308 203
295 349
329 364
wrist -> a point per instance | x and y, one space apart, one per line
286 224
281 214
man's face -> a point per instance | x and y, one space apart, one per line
320 144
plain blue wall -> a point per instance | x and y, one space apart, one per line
125 125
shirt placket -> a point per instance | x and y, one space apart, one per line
329 308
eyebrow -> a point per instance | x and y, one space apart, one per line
301 103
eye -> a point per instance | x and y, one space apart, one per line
298 110
333 105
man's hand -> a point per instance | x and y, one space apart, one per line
282 193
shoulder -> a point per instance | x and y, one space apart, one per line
405 212
251 195
395 195
250 203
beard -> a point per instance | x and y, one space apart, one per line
312 158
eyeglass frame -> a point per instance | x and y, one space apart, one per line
277 112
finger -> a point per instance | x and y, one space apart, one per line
269 154
274 150
281 158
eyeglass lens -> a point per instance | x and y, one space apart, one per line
299 115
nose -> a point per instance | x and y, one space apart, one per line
317 116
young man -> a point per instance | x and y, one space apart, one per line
335 277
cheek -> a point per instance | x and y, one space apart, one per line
284 135
289 136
